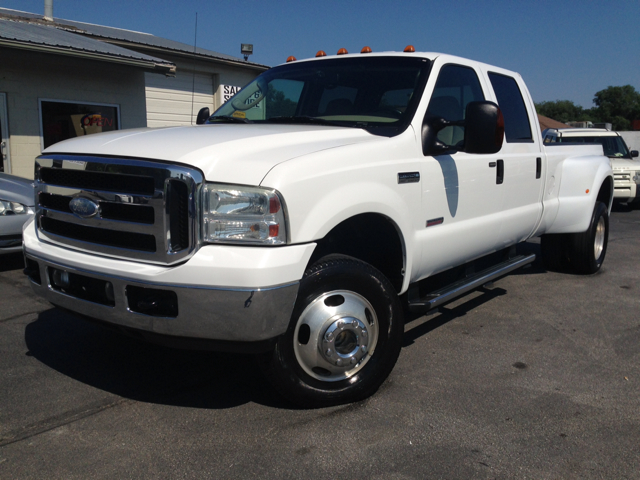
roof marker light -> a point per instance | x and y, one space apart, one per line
321 53
342 51
291 59
366 50
409 49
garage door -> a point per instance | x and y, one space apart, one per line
169 99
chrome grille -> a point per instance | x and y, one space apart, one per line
622 177
140 209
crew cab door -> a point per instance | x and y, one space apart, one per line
460 214
522 159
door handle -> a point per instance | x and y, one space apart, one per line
500 172
538 167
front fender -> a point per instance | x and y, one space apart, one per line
580 183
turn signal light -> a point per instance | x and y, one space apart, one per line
342 51
409 49
291 59
366 50
321 53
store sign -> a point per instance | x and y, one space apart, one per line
228 91
98 120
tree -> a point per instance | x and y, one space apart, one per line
618 105
564 111
278 105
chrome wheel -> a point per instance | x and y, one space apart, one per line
598 243
335 335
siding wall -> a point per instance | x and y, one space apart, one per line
28 76
169 99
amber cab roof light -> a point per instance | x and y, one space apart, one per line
321 53
365 50
291 59
409 49
342 51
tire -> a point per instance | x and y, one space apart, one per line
344 337
553 248
588 249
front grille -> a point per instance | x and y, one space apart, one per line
126 208
107 182
622 177
109 210
100 236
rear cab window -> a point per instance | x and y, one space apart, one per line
517 127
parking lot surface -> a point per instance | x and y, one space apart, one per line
537 376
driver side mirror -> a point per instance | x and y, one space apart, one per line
634 153
484 128
203 114
483 131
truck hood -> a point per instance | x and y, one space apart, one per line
624 163
227 153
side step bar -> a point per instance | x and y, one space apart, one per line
448 293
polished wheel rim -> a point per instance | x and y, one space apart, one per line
336 335
598 243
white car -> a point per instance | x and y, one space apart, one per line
625 163
16 207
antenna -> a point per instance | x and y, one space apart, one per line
193 84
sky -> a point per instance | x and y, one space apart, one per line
565 50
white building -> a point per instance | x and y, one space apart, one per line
61 79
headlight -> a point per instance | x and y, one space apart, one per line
13 208
238 214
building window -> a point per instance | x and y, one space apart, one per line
63 120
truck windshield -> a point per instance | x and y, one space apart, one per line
379 94
613 146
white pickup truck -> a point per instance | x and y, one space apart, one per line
301 216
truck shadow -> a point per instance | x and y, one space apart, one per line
445 314
110 361
11 261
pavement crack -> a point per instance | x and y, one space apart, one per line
51 423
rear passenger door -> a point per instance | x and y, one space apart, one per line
522 159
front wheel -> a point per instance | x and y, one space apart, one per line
344 337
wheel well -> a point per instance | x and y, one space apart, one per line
369 237
605 195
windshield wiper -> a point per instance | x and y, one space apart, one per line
228 119
303 119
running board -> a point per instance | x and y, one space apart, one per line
448 293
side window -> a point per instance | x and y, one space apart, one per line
516 120
455 88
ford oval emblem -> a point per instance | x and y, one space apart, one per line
83 207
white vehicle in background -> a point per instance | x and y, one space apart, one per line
625 163
16 208
299 218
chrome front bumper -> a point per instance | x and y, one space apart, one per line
235 315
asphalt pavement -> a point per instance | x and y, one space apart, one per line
535 377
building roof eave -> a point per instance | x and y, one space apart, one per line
167 68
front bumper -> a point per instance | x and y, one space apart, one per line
179 301
626 186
